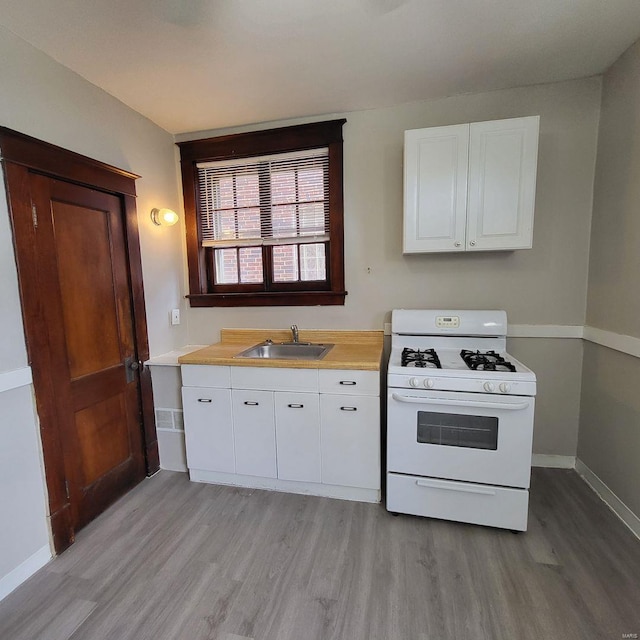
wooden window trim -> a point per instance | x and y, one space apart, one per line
244 145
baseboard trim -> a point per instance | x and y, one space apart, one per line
553 461
609 498
24 571
288 486
16 378
616 341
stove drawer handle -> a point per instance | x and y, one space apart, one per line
516 406
453 487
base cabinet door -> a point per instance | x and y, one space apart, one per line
254 433
209 432
298 436
350 436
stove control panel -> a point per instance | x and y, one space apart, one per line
497 387
427 383
448 322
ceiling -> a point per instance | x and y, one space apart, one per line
192 65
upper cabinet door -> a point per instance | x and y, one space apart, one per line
502 184
435 188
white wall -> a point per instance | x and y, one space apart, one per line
24 534
41 98
609 441
544 285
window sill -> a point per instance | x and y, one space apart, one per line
267 299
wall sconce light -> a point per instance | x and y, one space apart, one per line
164 217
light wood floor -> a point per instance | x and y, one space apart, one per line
174 560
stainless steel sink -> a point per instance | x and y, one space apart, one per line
287 351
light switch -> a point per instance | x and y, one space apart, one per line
175 316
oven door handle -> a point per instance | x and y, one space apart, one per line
516 406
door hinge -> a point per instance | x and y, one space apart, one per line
66 488
34 216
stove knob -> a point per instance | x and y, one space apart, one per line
505 387
414 382
488 386
428 383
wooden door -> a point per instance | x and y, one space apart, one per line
81 289
84 285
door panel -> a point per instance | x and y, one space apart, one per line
86 287
103 437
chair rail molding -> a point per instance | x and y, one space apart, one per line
15 379
617 341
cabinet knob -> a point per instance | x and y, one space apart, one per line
473 243
457 244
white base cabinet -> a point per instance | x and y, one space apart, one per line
209 438
306 431
470 187
298 436
254 433
350 440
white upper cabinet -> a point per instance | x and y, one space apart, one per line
470 187
435 188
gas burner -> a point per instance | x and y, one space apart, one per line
427 358
486 361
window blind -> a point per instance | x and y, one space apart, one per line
275 199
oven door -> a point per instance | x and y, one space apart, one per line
460 436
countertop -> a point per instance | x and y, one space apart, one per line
361 350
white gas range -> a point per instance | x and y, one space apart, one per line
460 419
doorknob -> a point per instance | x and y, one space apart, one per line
131 365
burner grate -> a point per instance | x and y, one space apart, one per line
427 358
486 361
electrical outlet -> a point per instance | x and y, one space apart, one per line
175 316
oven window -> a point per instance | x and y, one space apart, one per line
454 430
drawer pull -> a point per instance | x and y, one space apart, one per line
295 406
348 408
453 487
348 382
251 404
204 399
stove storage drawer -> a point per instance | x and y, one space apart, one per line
459 501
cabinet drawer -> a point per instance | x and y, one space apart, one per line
204 375
459 501
350 382
273 379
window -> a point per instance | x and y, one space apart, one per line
264 217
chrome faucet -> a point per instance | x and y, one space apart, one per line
294 332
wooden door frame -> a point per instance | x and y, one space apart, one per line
21 154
